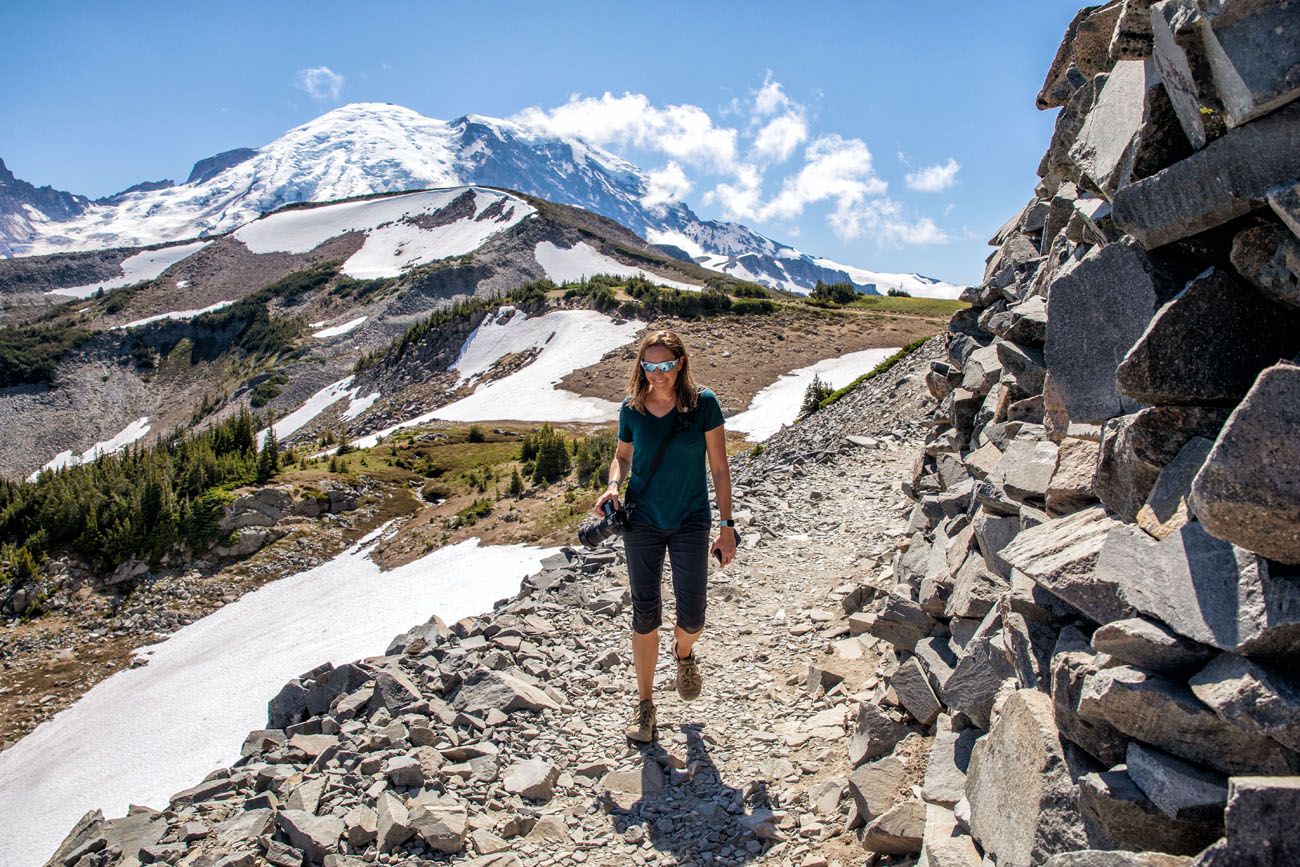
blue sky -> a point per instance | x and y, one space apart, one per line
100 96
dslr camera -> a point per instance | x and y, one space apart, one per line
595 533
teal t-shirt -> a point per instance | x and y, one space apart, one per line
678 492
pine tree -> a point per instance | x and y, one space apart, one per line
268 462
516 484
817 391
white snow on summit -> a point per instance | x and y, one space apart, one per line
913 284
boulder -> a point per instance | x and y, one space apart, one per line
1061 555
1135 448
901 622
316 836
1150 645
1026 470
1167 510
1260 822
394 822
1180 789
1119 816
533 779
1070 488
485 690
875 733
404 771
1098 308
1247 492
1268 255
1023 367
1166 714
945 773
1072 663
912 687
979 672
944 844
975 588
1204 589
1230 177
982 370
878 786
1207 345
1026 324
1084 52
441 827
898 831
394 690
1023 803
1252 697
1173 37
1253 50
1132 37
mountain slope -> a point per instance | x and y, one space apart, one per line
367 148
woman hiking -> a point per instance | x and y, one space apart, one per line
667 417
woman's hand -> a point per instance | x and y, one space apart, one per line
610 496
725 546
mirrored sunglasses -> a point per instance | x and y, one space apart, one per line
661 366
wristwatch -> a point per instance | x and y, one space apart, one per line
726 522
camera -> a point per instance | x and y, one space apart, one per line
596 532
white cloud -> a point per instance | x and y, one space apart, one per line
770 98
320 82
883 220
934 179
779 137
667 185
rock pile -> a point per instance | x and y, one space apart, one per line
1102 585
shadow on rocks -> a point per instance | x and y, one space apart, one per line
690 811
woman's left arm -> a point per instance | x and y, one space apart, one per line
715 442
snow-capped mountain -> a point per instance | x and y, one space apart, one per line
368 148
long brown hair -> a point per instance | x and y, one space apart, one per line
638 384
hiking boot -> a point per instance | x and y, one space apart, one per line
688 675
642 727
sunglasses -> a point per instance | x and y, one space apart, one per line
661 366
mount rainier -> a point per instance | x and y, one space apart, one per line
367 148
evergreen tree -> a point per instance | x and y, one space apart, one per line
516 484
817 391
268 462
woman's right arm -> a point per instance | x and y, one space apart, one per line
619 468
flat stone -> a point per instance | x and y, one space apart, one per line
1207 344
1023 368
980 671
1204 589
1180 789
1072 663
1061 555
442 828
945 773
1227 179
1098 308
914 693
1268 255
878 786
1026 470
875 733
982 370
1166 714
1112 134
1029 646
899 831
533 779
1150 645
1135 448
1252 697
901 622
1104 858
394 822
1027 325
1070 488
1260 822
1119 816
1253 50
1166 510
362 824
938 660
1247 492
486 690
316 836
393 691
625 788
974 589
1023 803
1173 32
404 771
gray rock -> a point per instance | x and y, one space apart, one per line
1023 368
1165 714
979 673
1251 502
1260 823
877 786
945 773
938 660
1132 37
901 622
533 779
1207 344
1204 589
1029 646
441 827
1135 448
362 824
1284 199
875 734
1103 858
485 690
1119 816
899 831
1150 645
626 788
1098 308
1027 323
1230 177
975 588
1172 34
1026 470
914 693
1113 132
1023 803
316 836
1253 50
404 771
1070 488
1062 555
1252 697
394 690
1072 663
1268 255
1180 789
1084 52
394 822
982 370
1166 510
943 843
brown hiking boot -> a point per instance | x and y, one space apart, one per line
642 727
688 675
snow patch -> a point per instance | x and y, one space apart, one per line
135 269
778 404
177 314
314 406
913 284
582 260
145 733
358 405
340 329
129 434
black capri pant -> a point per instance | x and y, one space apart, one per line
688 549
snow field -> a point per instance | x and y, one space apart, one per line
176 314
335 331
582 260
312 407
146 733
778 404
135 269
129 434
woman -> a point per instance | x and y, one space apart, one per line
669 507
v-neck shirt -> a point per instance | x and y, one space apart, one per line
678 492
